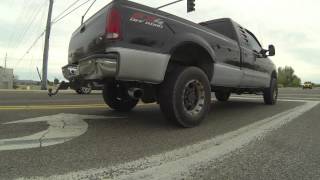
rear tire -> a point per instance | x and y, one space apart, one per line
270 95
184 96
117 98
222 95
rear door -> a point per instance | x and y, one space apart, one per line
227 67
255 74
262 77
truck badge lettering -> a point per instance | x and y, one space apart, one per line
147 20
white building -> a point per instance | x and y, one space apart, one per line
6 78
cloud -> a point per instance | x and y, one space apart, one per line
289 24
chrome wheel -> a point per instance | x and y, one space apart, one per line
275 94
193 97
184 96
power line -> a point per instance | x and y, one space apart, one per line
34 17
52 22
31 53
70 6
37 29
15 39
32 45
25 18
70 12
12 35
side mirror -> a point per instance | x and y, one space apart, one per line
271 50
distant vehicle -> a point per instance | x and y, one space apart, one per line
307 85
138 52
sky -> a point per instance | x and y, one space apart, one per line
291 25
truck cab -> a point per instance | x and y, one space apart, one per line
248 61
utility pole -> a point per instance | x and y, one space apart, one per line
46 49
5 61
39 74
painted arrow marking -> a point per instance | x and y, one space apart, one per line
62 128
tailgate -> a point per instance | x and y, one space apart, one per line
89 38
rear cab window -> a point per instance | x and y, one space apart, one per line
222 26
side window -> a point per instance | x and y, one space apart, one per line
244 41
254 45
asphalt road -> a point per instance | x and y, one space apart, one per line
74 136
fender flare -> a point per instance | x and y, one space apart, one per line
187 38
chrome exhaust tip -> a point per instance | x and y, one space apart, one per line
135 93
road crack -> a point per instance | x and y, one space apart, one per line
64 124
43 135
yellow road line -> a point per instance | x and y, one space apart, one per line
62 106
39 107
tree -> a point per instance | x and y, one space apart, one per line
56 81
296 82
287 78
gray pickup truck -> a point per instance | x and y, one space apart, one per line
141 53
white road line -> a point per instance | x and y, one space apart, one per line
61 128
301 98
287 99
292 95
179 163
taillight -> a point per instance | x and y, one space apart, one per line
113 25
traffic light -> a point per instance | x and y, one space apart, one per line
190 5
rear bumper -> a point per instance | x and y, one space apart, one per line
121 64
93 67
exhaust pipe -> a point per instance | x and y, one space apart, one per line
135 93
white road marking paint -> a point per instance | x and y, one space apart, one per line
294 95
286 99
180 163
62 128
301 98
